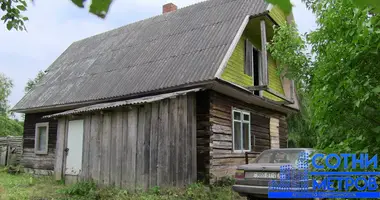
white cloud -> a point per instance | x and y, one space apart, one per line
55 24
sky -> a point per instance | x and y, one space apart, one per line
54 24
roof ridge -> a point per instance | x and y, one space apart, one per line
156 16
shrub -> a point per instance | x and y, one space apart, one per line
80 189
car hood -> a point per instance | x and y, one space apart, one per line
262 166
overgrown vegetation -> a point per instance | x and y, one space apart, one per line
24 186
339 81
8 125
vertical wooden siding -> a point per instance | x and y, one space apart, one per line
144 146
224 161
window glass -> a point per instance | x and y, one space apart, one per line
42 134
237 115
246 136
246 117
238 135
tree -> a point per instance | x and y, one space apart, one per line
5 90
32 83
8 126
13 9
341 78
286 5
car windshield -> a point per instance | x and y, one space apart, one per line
279 156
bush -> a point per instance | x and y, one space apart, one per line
80 189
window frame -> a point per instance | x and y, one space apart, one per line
36 138
242 121
252 65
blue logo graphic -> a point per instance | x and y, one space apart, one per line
299 182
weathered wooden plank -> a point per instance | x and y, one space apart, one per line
140 148
221 137
146 150
163 144
192 141
182 117
113 149
86 148
173 128
106 148
124 154
95 143
58 167
274 133
221 129
153 145
221 144
131 147
119 148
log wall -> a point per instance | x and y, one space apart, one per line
138 147
223 161
29 159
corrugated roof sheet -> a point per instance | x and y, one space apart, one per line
178 48
116 104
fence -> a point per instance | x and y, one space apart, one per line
10 150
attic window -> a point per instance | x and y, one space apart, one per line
41 138
252 62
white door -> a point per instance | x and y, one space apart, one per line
74 148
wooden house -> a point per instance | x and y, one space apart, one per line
163 101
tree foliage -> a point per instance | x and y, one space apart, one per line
340 80
8 126
32 83
13 17
286 5
12 11
5 90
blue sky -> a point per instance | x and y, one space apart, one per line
54 24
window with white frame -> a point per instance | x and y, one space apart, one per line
241 127
41 138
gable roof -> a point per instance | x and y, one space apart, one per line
170 50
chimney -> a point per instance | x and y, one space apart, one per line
170 7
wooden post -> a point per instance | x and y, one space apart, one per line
60 146
292 90
264 55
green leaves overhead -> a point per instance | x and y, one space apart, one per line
367 3
12 17
79 3
284 5
98 7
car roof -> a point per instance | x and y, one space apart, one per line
291 149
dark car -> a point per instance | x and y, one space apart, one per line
252 179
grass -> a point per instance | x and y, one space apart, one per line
28 187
